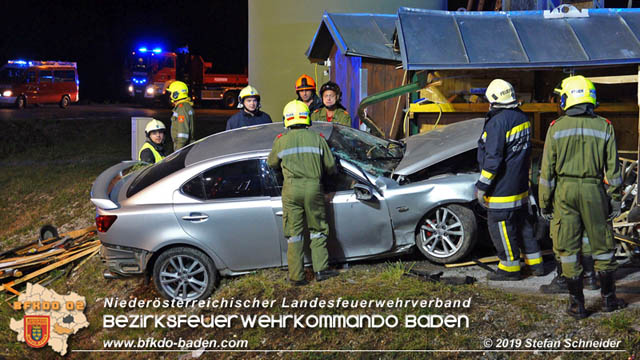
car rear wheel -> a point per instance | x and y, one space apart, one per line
447 234
184 273
64 102
21 102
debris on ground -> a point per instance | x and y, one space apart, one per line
29 261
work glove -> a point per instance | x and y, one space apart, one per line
615 209
480 197
547 214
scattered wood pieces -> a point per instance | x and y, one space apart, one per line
29 261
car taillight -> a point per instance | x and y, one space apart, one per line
104 222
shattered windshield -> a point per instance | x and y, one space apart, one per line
374 155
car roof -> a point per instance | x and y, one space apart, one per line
257 138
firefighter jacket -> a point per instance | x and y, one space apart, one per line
182 125
151 152
243 118
504 156
340 116
579 147
302 154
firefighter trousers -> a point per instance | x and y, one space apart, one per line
303 201
512 230
581 205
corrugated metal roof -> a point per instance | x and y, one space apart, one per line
432 39
365 35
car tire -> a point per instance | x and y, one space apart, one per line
21 102
230 100
447 233
64 102
184 273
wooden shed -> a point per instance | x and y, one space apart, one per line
362 60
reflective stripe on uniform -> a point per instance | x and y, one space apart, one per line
317 235
509 266
607 256
505 240
294 239
533 258
299 150
486 177
581 132
518 131
585 240
484 136
568 259
183 135
506 202
550 184
615 181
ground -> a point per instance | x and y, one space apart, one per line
48 159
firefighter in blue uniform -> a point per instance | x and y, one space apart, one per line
504 156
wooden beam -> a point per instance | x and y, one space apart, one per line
619 79
528 108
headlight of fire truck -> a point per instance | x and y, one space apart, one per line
150 90
130 88
7 93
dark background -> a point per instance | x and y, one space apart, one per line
98 35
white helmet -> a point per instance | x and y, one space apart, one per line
154 125
501 93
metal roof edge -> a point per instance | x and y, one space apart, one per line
408 10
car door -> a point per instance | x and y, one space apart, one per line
45 85
356 228
31 86
233 216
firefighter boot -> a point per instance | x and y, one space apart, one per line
590 279
576 298
501 275
558 285
326 274
608 292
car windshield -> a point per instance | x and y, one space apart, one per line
159 170
374 155
10 75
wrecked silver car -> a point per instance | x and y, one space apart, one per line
214 208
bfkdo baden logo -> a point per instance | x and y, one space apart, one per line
36 330
49 318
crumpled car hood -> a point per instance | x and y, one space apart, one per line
430 148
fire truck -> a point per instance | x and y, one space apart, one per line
150 71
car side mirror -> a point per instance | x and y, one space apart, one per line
362 192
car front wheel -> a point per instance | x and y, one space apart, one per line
184 273
447 234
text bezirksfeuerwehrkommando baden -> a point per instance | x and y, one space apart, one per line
285 303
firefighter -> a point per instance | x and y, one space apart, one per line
331 110
152 151
249 102
306 91
579 149
182 118
304 157
504 153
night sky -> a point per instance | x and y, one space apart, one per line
98 35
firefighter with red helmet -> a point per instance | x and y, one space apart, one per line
331 110
306 91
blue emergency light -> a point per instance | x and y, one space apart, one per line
139 81
143 49
157 50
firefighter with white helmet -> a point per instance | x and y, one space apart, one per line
580 148
182 119
152 151
249 102
304 157
504 156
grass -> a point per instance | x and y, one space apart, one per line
46 178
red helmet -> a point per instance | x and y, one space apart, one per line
305 82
